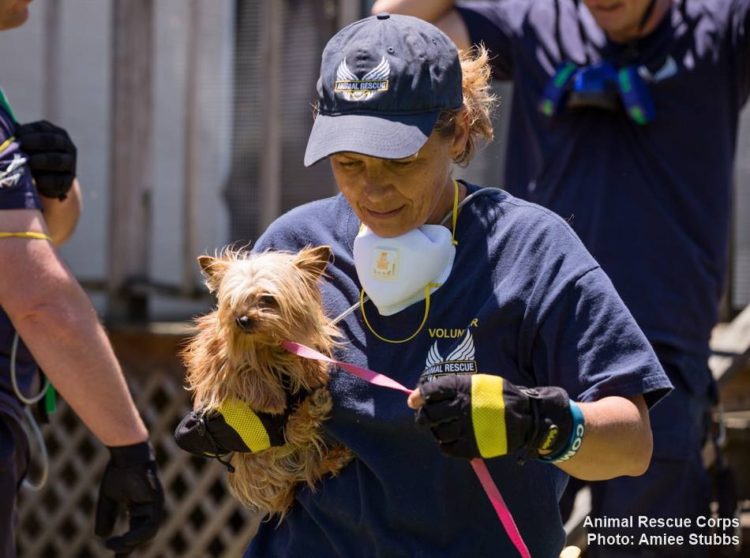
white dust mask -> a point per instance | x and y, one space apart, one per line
396 272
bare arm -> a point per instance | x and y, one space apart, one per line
441 13
617 442
62 216
54 317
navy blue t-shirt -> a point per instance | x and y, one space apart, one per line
651 203
524 300
17 191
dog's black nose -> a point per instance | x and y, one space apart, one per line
244 323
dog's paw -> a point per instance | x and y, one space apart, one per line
321 402
338 458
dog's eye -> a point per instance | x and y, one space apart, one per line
267 300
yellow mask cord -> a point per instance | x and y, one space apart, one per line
454 217
34 235
427 289
7 143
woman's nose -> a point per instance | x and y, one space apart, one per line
376 183
378 195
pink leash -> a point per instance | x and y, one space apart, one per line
480 467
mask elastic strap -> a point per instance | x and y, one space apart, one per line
454 219
427 290
34 235
7 143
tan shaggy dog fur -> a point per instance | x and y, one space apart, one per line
263 299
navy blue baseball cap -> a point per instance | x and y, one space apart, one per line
384 81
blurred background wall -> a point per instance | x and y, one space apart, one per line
218 95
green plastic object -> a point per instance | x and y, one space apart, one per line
6 105
50 400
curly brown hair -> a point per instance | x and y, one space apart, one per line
479 102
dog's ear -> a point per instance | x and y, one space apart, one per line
314 259
213 270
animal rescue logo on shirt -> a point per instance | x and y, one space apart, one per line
460 360
13 172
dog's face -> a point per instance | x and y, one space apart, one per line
266 297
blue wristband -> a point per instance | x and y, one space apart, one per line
574 441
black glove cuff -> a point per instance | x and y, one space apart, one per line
574 441
553 421
137 454
193 436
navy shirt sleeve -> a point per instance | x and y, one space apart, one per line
575 330
17 189
589 344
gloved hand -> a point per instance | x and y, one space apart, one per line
51 157
233 427
481 415
130 481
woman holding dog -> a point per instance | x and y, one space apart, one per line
521 349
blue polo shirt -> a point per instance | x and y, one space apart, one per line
651 203
524 300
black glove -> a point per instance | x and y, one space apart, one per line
51 157
481 415
233 427
130 481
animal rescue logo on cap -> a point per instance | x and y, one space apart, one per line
355 89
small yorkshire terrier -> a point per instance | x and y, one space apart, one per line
264 299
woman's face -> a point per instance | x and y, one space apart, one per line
620 19
393 196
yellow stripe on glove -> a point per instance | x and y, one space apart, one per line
488 415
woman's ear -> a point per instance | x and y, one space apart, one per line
461 132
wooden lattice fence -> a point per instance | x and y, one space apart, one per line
202 517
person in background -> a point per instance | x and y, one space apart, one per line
47 322
624 122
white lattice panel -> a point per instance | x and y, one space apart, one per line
202 517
